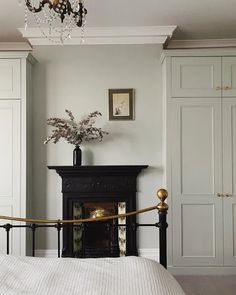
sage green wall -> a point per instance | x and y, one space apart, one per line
78 78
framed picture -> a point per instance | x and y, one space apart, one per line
121 104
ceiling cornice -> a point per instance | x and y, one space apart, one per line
105 35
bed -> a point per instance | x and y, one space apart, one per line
129 275
99 276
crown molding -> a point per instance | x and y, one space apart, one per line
15 46
201 43
105 35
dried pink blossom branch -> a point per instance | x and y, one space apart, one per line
73 132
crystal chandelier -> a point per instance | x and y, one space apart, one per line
57 18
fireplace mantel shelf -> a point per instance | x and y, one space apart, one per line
99 170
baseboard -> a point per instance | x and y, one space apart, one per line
46 253
147 253
174 270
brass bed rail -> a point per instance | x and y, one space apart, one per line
34 224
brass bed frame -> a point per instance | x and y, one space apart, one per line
34 224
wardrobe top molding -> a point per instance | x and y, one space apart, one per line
13 50
18 55
197 52
15 46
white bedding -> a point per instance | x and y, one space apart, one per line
101 276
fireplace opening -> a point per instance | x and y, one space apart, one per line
99 239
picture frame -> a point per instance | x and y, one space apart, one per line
121 104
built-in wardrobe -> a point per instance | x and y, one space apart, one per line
200 149
15 143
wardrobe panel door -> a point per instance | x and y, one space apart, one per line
196 180
10 169
196 77
229 76
10 79
229 180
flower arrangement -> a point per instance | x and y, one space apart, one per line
75 132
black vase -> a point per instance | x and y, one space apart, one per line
77 156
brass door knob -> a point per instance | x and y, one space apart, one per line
227 87
220 195
228 195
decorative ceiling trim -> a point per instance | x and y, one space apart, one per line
15 46
201 43
105 35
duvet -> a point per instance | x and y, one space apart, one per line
101 276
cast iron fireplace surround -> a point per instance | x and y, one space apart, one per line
98 184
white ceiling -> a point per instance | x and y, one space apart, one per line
196 19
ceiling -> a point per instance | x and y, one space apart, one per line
196 19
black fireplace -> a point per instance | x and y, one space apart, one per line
95 191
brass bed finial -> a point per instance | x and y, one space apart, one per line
162 194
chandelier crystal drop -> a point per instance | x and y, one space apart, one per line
57 18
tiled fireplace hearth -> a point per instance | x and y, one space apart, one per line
90 191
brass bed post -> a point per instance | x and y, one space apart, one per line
162 208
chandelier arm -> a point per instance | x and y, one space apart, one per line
79 13
69 8
41 5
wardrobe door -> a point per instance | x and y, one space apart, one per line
10 170
229 76
196 77
229 180
196 181
10 81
